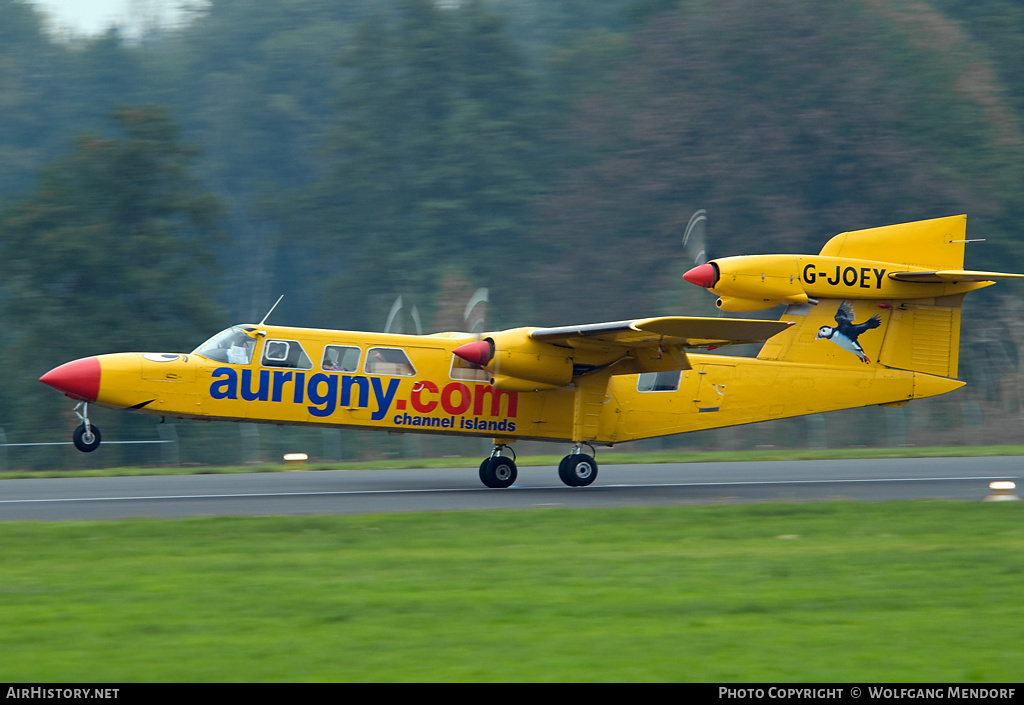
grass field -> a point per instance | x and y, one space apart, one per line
832 591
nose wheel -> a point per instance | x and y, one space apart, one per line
497 471
87 436
578 469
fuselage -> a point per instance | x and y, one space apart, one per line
401 383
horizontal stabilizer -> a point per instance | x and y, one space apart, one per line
951 275
936 243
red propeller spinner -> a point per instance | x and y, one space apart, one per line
479 352
704 275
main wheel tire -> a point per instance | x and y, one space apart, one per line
578 470
498 472
563 471
86 442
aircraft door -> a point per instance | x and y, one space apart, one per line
712 387
656 407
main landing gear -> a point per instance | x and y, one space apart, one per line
86 437
576 469
497 471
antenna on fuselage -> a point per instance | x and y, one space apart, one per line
271 310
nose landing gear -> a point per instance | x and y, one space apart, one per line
87 436
497 471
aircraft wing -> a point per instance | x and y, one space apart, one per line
951 275
659 344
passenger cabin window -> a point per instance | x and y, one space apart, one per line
468 372
232 346
340 358
285 353
659 381
388 361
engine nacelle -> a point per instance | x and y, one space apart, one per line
517 355
756 282
519 363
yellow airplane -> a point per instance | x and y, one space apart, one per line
874 318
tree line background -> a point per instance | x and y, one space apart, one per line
158 187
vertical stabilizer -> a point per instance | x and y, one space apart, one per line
908 335
833 332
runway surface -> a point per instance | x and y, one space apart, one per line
376 491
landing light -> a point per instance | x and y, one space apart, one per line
295 458
1001 491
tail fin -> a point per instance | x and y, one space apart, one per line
921 334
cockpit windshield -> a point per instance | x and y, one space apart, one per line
232 346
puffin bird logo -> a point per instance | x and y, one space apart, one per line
846 332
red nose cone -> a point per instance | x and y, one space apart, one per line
79 379
702 275
478 353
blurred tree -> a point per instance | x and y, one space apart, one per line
110 252
256 83
997 30
102 69
543 28
838 118
433 159
997 25
31 70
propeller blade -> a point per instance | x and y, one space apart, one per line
390 326
695 238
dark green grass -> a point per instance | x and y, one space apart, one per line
831 592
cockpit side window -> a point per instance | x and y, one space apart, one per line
286 353
232 346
